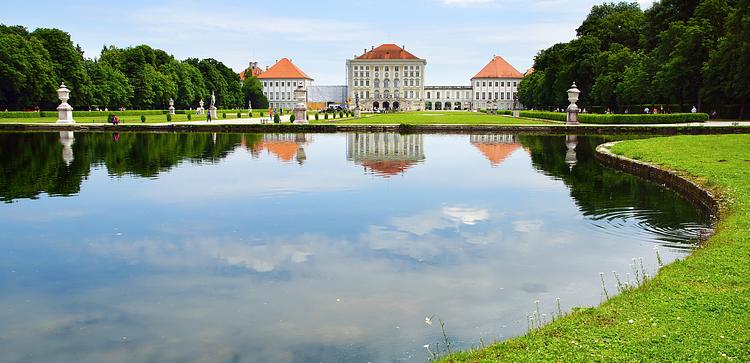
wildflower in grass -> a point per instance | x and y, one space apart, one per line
428 321
604 288
659 261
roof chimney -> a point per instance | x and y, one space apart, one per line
372 47
403 47
365 51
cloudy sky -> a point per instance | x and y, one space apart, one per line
457 37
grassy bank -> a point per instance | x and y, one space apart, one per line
697 309
437 118
128 119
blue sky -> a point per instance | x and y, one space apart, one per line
457 37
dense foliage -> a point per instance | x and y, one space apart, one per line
632 119
32 65
676 53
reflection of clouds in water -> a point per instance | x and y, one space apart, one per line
527 226
205 252
466 215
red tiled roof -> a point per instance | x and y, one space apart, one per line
388 51
255 72
497 153
498 68
388 168
284 150
284 69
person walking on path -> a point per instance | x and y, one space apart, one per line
208 116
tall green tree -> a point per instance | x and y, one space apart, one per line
67 60
252 89
27 75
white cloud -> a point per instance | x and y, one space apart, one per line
466 2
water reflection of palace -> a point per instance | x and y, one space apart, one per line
496 148
385 154
286 147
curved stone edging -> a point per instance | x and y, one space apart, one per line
695 193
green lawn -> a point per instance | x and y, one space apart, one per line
436 118
123 119
695 310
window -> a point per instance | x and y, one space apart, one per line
356 83
477 86
367 94
396 68
377 69
417 73
367 74
502 84
428 94
484 84
376 83
417 82
484 96
438 95
411 74
502 96
417 94
387 83
496 83
477 95
386 68
277 83
356 68
367 83
367 68
277 95
264 84
496 97
397 83
515 84
508 95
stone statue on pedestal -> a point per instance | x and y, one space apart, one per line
212 108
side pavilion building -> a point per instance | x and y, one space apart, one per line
496 85
280 81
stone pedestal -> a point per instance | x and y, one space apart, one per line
516 113
357 112
66 140
213 113
300 108
64 111
573 110
171 106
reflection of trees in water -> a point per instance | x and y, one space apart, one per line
601 192
34 163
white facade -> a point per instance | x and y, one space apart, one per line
448 98
387 77
491 93
280 92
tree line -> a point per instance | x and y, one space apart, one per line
33 64
678 53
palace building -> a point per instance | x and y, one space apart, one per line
496 85
387 77
280 81
385 154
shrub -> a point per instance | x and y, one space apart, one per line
239 114
169 118
190 117
341 114
325 116
224 115
143 118
292 118
317 116
250 114
261 114
276 118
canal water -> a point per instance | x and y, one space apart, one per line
139 247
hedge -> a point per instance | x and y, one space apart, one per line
589 118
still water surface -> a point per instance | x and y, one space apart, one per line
307 248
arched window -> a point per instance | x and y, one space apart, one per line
397 83
376 83
386 83
377 94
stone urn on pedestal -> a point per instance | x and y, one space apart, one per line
64 111
357 110
200 110
300 107
250 107
171 106
573 110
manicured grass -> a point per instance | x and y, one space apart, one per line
124 119
437 118
695 310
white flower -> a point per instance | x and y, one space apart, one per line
426 346
428 321
631 321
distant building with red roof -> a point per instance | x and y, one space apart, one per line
254 70
386 77
280 81
496 85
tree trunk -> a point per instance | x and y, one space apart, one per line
743 106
